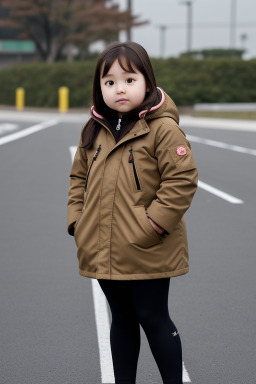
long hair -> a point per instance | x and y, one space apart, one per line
130 56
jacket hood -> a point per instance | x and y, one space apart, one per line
165 108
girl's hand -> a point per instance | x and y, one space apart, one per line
156 227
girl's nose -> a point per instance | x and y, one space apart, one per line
120 88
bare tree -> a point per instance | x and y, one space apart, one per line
55 24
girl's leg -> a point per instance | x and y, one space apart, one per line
151 302
125 330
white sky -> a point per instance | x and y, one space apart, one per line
169 12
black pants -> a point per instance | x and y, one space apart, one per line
142 302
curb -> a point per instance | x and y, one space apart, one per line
216 123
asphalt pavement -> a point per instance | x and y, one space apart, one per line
52 320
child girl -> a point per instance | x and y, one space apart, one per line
132 179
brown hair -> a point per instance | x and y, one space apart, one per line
135 56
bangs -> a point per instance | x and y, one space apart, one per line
127 60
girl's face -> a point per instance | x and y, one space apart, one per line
122 91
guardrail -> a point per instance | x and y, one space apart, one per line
226 107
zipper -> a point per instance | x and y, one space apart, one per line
131 160
94 158
118 127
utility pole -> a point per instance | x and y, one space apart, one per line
243 38
189 4
162 29
128 31
232 37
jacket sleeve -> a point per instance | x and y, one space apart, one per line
76 190
179 177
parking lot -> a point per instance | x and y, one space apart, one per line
55 323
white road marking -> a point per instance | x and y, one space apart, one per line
103 326
217 192
185 375
27 131
72 152
103 333
5 127
220 144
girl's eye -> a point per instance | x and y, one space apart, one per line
130 80
109 82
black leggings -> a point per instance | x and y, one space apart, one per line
144 302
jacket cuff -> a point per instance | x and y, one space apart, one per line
154 225
71 229
72 217
159 215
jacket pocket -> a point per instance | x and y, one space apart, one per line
80 215
89 170
143 234
135 173
77 220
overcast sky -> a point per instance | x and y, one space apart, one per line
207 12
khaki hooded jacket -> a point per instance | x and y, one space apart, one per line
114 187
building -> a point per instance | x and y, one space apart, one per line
13 49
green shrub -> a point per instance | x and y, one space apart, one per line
187 81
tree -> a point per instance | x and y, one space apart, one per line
54 24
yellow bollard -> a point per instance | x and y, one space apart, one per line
20 98
63 99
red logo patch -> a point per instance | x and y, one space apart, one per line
181 151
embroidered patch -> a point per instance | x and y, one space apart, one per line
181 151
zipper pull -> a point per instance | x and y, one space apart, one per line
118 127
131 156
97 152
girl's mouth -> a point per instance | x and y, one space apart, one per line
122 101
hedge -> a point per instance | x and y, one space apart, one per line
187 81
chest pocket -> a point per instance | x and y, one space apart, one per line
134 170
91 165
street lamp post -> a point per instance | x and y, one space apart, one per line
232 37
162 28
128 31
243 38
162 39
189 4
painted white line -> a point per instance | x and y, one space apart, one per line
185 375
27 131
103 332
103 327
72 152
220 144
217 192
5 127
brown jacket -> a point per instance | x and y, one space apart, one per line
113 187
